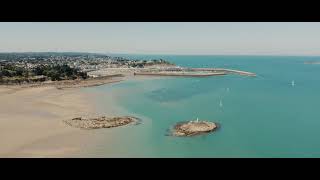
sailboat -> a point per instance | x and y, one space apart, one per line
220 103
292 83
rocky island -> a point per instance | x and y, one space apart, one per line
192 128
101 122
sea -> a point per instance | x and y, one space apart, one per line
275 114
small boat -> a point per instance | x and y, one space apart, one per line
292 83
220 103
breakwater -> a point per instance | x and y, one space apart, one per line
245 73
183 74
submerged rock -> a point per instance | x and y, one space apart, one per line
101 122
192 128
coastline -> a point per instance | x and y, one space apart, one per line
31 119
31 122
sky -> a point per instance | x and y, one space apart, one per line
197 38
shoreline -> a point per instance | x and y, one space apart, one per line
113 75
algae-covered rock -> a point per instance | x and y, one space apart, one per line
192 128
101 122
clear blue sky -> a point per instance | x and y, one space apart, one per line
163 38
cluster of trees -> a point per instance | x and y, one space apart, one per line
15 74
161 61
137 65
59 72
9 70
152 62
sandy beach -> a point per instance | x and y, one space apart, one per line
31 122
31 118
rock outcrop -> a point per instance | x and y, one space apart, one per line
192 128
101 122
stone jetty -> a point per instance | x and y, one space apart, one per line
101 122
192 128
222 70
191 72
184 74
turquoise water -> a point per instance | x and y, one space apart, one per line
263 116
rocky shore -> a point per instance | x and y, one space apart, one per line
101 122
192 128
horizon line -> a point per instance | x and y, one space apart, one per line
165 54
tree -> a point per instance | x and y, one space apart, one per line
1 75
19 71
83 75
39 70
7 73
54 75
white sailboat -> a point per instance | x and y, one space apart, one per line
220 103
292 83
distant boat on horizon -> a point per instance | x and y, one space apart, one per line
292 83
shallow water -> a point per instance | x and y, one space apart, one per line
263 116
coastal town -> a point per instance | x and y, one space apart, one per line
71 69
22 68
84 61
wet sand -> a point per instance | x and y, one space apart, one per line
31 122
